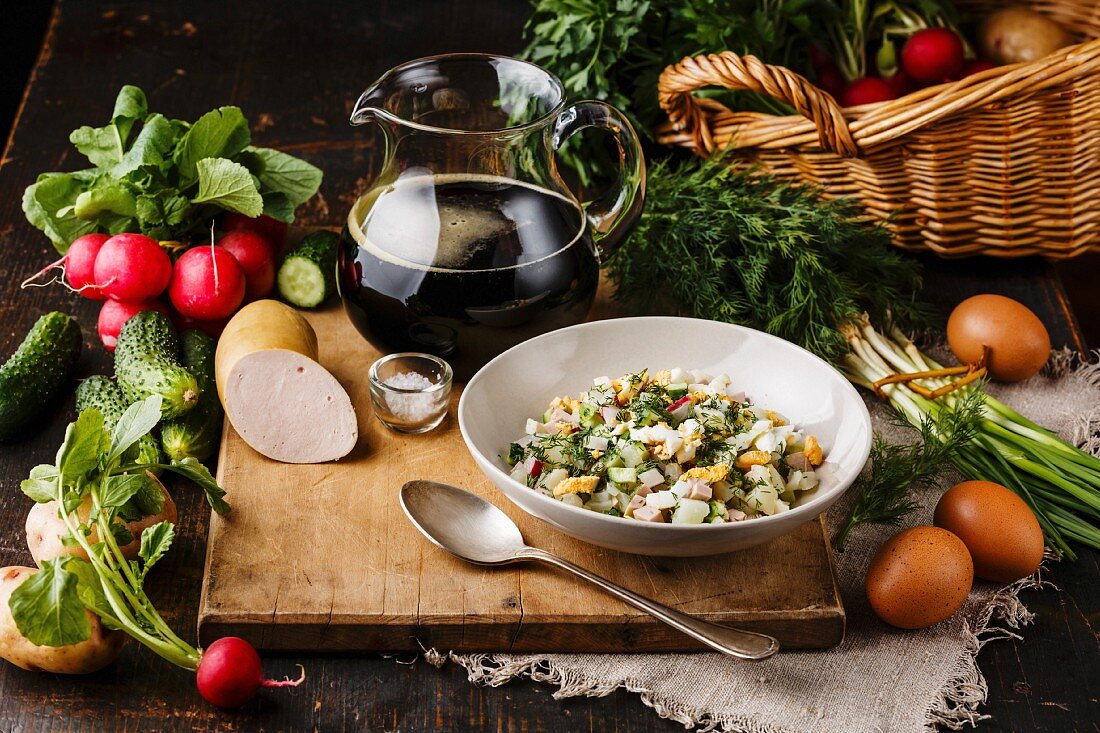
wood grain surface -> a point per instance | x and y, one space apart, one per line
295 67
321 557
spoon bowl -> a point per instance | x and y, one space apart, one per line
462 523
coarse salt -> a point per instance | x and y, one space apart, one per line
411 407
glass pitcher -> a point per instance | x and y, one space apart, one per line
467 241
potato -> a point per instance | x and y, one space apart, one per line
95 653
45 530
1015 34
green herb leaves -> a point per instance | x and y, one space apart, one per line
221 133
136 422
885 495
615 51
47 608
191 469
284 174
166 178
91 471
83 446
155 542
229 185
731 245
106 146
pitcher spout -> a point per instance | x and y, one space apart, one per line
367 106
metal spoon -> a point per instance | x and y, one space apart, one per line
466 525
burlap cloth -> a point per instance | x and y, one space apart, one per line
879 678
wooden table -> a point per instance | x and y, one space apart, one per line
295 68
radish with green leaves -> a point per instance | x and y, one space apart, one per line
51 608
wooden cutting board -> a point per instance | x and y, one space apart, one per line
321 557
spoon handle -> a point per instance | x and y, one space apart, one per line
735 642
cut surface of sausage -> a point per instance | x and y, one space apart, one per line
290 408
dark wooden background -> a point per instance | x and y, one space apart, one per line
295 68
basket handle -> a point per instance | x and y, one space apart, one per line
727 69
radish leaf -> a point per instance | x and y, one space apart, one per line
285 174
200 474
138 419
229 185
83 447
220 133
47 609
155 542
42 484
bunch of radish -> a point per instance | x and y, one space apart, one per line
929 56
206 285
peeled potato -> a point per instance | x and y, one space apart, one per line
1015 34
94 653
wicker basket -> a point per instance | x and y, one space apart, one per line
1004 163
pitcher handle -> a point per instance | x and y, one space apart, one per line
613 214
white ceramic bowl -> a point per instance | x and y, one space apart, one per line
774 374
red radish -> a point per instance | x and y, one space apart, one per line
900 83
213 329
271 229
229 673
866 90
80 265
132 268
976 66
536 468
115 313
682 401
207 283
831 80
933 55
253 252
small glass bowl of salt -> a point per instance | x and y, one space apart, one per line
410 391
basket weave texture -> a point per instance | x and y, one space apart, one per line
1005 162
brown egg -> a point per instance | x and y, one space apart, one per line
996 525
919 577
1018 340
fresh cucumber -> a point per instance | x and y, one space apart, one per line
104 395
37 372
307 277
197 433
147 363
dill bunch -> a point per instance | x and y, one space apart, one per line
885 495
733 245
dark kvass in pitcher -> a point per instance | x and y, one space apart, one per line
464 266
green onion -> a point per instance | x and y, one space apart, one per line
1059 481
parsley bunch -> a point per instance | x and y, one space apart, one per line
731 245
615 50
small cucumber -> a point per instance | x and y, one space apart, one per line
147 363
104 395
37 372
307 277
196 434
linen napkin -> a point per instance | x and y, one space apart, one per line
880 679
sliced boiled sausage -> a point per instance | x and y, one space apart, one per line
278 398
